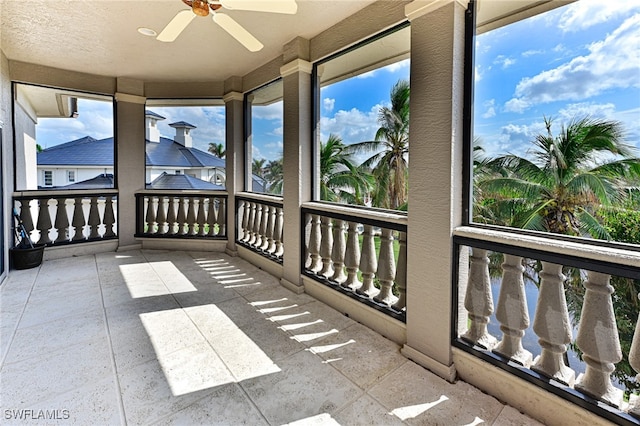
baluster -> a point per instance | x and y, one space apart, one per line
278 233
552 326
368 263
191 216
243 218
352 257
251 236
151 215
267 224
200 218
634 360
271 241
171 216
386 271
246 214
512 312
598 339
44 221
221 216
161 217
109 218
256 237
25 215
262 230
401 274
326 244
338 253
212 216
94 219
78 220
314 244
62 221
181 218
478 300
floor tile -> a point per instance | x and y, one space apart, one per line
360 354
366 411
32 380
224 405
432 400
509 416
41 339
305 387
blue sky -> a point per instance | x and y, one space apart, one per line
582 59
579 60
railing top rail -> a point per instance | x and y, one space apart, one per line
581 252
67 193
179 192
369 216
265 198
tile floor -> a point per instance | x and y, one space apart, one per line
162 337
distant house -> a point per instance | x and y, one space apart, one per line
87 159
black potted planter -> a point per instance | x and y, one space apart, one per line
26 254
26 257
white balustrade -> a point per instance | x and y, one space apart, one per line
368 263
352 257
598 340
338 253
479 301
69 218
386 271
326 244
552 326
512 312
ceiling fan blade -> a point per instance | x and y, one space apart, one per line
275 6
237 31
176 26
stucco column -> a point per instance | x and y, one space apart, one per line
435 178
130 158
297 164
234 157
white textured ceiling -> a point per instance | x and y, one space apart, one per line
100 37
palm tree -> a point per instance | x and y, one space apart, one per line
568 178
274 176
389 164
340 179
257 166
217 149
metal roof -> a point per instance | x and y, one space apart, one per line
167 181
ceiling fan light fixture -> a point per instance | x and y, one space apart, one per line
200 7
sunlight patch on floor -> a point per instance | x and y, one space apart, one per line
326 348
140 284
412 411
313 336
191 362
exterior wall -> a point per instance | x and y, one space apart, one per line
25 149
6 166
60 174
130 160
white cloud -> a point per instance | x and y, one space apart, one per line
503 61
328 104
352 126
479 73
209 122
397 66
587 13
587 109
532 52
368 74
269 112
95 119
609 64
490 108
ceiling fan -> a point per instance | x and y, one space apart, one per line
203 7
